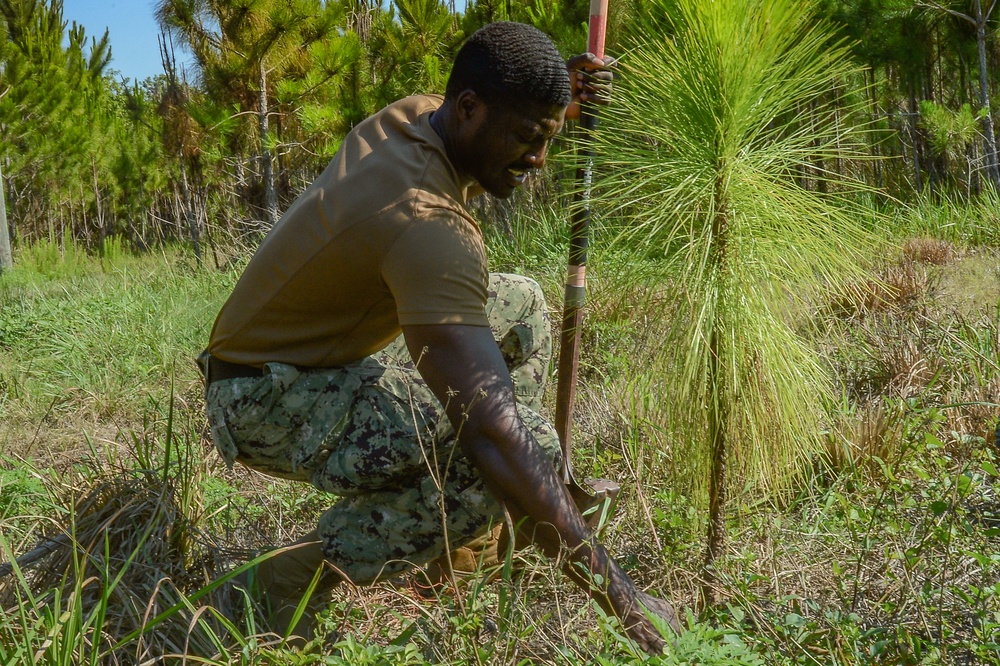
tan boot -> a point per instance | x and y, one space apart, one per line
596 499
280 583
479 554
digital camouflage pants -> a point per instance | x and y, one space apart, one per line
374 435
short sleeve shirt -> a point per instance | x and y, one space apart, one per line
381 239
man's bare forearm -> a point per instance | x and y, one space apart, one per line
463 367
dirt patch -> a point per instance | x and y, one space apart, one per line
970 285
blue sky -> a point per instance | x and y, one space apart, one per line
132 31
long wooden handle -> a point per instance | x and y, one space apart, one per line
576 279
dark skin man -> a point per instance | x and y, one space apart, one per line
498 145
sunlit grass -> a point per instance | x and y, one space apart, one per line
93 341
908 490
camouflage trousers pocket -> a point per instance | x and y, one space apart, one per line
278 423
216 411
389 436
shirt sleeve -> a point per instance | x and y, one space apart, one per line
436 271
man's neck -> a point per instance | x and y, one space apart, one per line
441 122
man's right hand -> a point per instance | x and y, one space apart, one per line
632 606
642 630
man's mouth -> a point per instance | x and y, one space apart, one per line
517 175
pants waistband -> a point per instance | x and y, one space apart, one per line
215 369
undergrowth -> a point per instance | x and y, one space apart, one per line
887 552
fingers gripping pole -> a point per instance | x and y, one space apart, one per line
573 307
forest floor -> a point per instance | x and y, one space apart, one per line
887 552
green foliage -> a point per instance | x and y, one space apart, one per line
564 22
951 132
972 224
918 587
22 491
88 157
113 329
52 97
350 652
699 156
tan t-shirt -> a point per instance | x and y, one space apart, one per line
381 239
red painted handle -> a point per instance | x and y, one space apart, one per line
598 25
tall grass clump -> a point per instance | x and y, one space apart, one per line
120 565
719 111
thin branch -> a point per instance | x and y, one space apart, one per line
934 5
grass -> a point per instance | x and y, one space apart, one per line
885 553
87 345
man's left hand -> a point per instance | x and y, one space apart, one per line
590 78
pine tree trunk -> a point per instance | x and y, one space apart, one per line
717 482
189 214
718 419
270 193
100 210
918 183
819 167
876 148
6 257
993 169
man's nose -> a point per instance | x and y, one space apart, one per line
536 158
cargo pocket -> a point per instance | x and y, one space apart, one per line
215 407
317 411
253 415
388 437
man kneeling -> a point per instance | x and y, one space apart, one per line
426 438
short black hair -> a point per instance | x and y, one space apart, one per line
509 63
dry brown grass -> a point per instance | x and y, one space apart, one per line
899 286
929 251
78 575
857 438
907 283
927 332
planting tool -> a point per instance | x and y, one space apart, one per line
595 497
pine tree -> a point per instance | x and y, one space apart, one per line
978 17
6 257
242 47
695 155
54 96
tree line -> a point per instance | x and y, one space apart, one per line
222 149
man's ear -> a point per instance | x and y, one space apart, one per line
469 105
